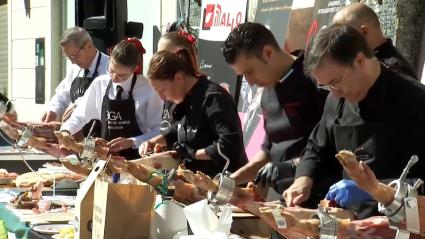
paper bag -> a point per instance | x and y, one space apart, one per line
84 203
122 211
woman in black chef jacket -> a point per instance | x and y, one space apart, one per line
172 41
124 102
209 115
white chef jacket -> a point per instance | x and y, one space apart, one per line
148 106
62 98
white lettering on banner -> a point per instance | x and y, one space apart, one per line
115 127
219 17
204 65
333 3
328 10
216 18
333 6
111 115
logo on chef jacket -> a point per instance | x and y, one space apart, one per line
165 124
79 92
115 120
166 114
215 17
188 130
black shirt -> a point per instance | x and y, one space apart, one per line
389 123
171 113
209 116
390 56
291 109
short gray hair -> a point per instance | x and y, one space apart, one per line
76 35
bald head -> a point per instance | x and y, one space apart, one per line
364 19
357 15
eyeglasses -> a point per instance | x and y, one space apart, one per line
118 76
74 56
333 85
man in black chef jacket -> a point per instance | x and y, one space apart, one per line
88 63
291 103
364 19
392 127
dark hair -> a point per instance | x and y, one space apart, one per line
180 41
126 53
249 38
177 26
165 64
341 42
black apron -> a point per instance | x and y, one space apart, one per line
118 119
351 133
78 88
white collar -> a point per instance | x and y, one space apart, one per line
286 75
126 85
92 67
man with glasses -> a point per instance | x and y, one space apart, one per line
389 126
364 19
88 63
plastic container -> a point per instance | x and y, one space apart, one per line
169 219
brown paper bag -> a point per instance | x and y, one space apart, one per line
122 211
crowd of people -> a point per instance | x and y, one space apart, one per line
350 89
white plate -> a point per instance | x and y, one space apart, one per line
56 236
59 200
50 228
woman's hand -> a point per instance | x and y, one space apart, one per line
146 148
119 144
68 112
153 145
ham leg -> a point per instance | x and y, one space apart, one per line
366 179
69 142
35 142
373 228
41 130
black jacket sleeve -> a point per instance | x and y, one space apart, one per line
223 121
320 146
266 146
170 135
6 100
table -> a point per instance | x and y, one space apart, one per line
11 160
17 221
